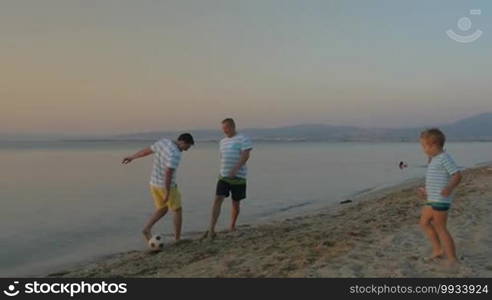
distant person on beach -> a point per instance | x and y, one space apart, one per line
163 187
235 151
443 176
402 165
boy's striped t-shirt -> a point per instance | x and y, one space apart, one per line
230 154
166 155
439 171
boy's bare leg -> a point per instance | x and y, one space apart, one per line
235 213
440 224
430 231
215 216
156 216
178 221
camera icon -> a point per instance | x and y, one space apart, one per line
11 291
465 24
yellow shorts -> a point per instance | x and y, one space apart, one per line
159 193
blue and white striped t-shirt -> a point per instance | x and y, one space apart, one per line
166 155
230 154
439 171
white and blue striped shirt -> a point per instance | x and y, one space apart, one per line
166 155
439 171
230 154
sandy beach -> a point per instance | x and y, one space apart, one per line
376 235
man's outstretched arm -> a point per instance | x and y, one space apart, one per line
142 153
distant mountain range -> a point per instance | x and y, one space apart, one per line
475 128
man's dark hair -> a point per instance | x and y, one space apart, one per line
435 135
187 138
229 121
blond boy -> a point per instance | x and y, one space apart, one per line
442 177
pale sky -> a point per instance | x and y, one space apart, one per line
117 66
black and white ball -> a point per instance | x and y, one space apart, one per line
156 243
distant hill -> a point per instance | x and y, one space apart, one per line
478 127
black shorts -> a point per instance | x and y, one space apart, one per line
237 191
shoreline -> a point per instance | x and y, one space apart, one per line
376 235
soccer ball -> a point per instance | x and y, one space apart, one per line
156 243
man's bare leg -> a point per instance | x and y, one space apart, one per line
178 221
428 228
235 213
156 216
215 216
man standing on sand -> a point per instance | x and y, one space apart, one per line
235 150
163 185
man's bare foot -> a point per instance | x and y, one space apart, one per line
204 235
147 235
232 229
208 234
181 241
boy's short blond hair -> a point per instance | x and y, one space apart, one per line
435 135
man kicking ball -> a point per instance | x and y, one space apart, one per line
235 149
163 180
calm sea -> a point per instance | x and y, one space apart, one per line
64 203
